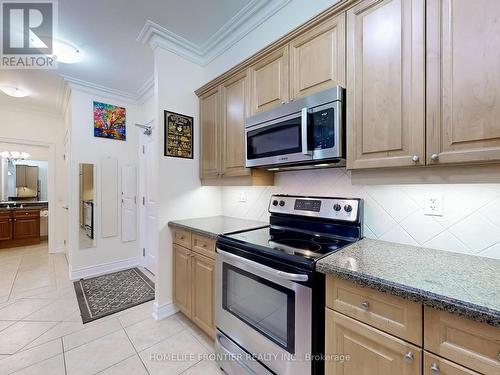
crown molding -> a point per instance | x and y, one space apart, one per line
247 19
144 92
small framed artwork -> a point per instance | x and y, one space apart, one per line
110 121
178 135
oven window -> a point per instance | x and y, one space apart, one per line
265 306
273 140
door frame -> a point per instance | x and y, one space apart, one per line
142 166
51 189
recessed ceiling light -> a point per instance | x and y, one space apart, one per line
66 53
16 92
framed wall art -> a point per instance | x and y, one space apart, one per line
110 121
178 135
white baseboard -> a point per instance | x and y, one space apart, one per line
164 311
58 249
102 269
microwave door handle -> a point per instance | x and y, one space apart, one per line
303 127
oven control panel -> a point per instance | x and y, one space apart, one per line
343 209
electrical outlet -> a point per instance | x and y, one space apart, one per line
243 196
433 205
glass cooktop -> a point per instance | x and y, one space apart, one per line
290 242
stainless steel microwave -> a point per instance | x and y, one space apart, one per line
307 131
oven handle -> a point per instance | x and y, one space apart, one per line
227 352
303 127
266 269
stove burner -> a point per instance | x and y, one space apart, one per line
325 241
295 245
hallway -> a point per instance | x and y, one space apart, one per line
41 330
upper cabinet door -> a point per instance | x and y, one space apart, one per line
269 80
210 135
385 80
317 58
463 81
234 110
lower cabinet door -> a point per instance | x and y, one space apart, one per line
203 272
366 350
182 278
5 229
26 228
434 365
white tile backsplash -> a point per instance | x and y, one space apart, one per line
470 224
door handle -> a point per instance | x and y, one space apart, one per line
266 269
303 128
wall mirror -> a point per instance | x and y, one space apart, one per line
87 237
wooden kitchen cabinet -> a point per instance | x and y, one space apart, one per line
19 227
385 83
203 289
194 278
468 343
5 226
222 152
434 365
234 94
317 58
463 81
269 81
182 278
210 135
371 351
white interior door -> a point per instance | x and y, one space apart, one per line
129 201
148 221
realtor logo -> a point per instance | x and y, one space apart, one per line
28 29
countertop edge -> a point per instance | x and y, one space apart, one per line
212 235
467 310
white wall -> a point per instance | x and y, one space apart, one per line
180 194
288 18
85 148
18 125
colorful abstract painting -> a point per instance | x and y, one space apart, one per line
109 121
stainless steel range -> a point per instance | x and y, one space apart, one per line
270 301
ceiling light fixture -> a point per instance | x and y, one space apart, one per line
14 155
16 92
66 53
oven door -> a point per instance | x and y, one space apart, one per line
279 141
266 312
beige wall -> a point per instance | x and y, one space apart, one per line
18 125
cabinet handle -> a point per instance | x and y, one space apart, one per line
435 369
365 305
409 357
434 157
415 158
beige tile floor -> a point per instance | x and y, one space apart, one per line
41 331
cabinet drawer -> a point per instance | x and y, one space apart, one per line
433 365
471 344
370 350
182 237
203 245
394 315
5 214
19 214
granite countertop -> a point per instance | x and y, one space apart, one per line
462 284
214 225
